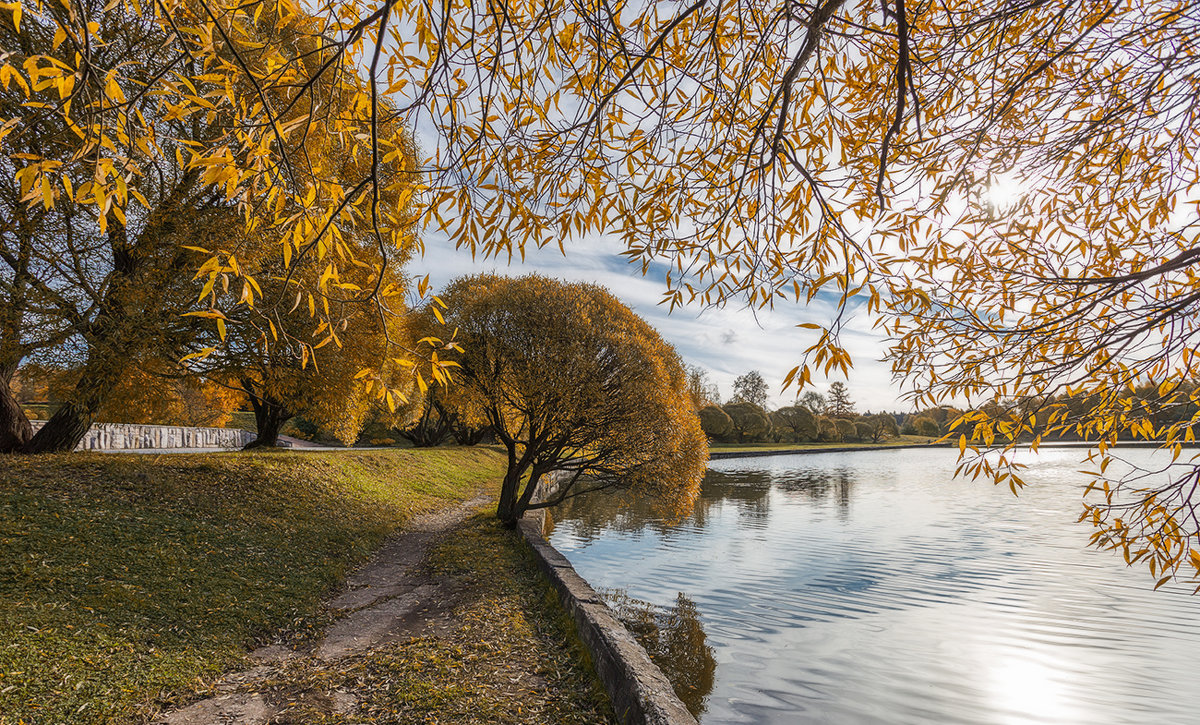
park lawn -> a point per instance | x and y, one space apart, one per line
128 582
904 440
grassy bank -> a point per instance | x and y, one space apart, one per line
127 581
897 441
510 623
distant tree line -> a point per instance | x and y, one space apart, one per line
814 417
1169 408
831 417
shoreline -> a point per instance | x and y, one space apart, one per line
718 454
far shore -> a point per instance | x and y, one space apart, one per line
750 450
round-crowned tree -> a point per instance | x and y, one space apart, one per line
799 421
715 422
750 421
927 427
573 382
882 425
827 430
846 429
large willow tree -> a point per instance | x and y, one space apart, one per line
765 151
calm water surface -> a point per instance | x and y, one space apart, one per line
873 588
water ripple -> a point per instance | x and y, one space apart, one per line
870 588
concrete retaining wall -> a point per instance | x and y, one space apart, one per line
640 692
133 436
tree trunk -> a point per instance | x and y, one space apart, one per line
269 418
506 509
70 423
63 431
114 338
431 428
468 436
535 478
514 500
15 430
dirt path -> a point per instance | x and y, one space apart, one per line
387 599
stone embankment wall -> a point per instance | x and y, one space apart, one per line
640 692
133 436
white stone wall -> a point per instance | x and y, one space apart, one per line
132 436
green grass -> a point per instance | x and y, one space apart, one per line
904 440
514 643
127 582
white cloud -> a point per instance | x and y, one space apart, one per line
725 341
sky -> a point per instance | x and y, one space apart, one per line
726 342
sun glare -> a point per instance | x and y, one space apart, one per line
1026 689
1003 194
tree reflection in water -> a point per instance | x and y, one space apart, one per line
748 491
674 636
675 640
821 485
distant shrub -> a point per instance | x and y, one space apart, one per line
846 429
715 422
927 427
799 422
750 422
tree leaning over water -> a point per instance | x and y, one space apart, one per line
761 151
573 383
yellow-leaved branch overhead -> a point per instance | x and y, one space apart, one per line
1007 188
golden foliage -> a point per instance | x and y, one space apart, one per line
573 382
115 116
148 394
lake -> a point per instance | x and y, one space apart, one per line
873 587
